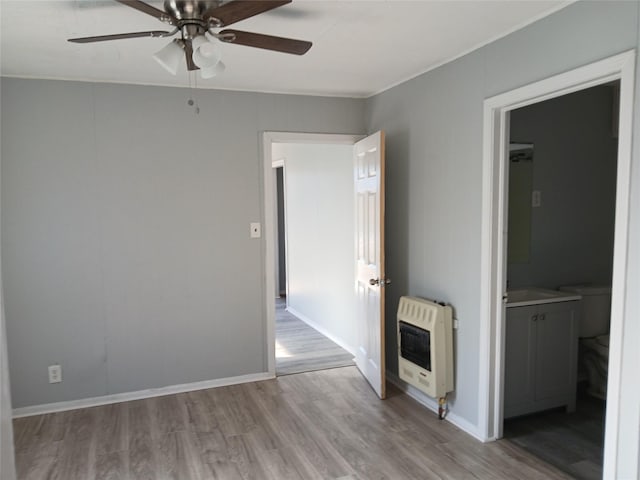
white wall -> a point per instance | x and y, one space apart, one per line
320 236
125 232
574 167
434 127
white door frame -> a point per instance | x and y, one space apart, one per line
268 139
493 267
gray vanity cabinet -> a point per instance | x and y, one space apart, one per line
541 352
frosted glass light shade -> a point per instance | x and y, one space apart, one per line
206 53
210 72
170 56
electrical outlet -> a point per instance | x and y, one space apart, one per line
255 230
55 374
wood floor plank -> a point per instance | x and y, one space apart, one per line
141 456
318 425
572 442
301 348
38 463
198 408
320 452
76 460
167 415
112 466
177 457
246 461
112 428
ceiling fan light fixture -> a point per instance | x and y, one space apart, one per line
206 53
170 56
210 72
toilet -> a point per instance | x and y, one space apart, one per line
594 335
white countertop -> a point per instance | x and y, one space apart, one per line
536 296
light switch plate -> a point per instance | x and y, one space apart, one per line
536 198
255 230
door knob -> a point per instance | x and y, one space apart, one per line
377 281
374 281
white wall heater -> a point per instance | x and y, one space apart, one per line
425 345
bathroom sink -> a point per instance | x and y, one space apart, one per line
536 296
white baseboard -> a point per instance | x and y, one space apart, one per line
322 330
137 395
432 404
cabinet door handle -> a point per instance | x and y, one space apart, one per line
534 318
542 317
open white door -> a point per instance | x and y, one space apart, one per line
370 273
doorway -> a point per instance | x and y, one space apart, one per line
312 178
362 296
314 322
494 265
560 223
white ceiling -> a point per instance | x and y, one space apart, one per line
359 48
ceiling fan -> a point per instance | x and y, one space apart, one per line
199 22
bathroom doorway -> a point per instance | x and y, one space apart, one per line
561 222
621 375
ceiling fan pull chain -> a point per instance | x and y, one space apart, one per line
193 82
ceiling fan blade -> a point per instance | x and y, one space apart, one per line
149 10
268 42
188 53
237 10
120 36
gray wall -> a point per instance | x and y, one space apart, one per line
320 236
574 168
434 171
125 232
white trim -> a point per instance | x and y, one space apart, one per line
138 395
432 405
317 138
268 139
493 261
201 86
338 341
477 46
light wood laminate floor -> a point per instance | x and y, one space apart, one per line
301 348
573 442
320 425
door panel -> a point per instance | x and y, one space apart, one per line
556 335
369 235
519 358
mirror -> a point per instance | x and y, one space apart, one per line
520 189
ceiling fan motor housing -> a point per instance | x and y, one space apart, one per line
186 10
189 9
